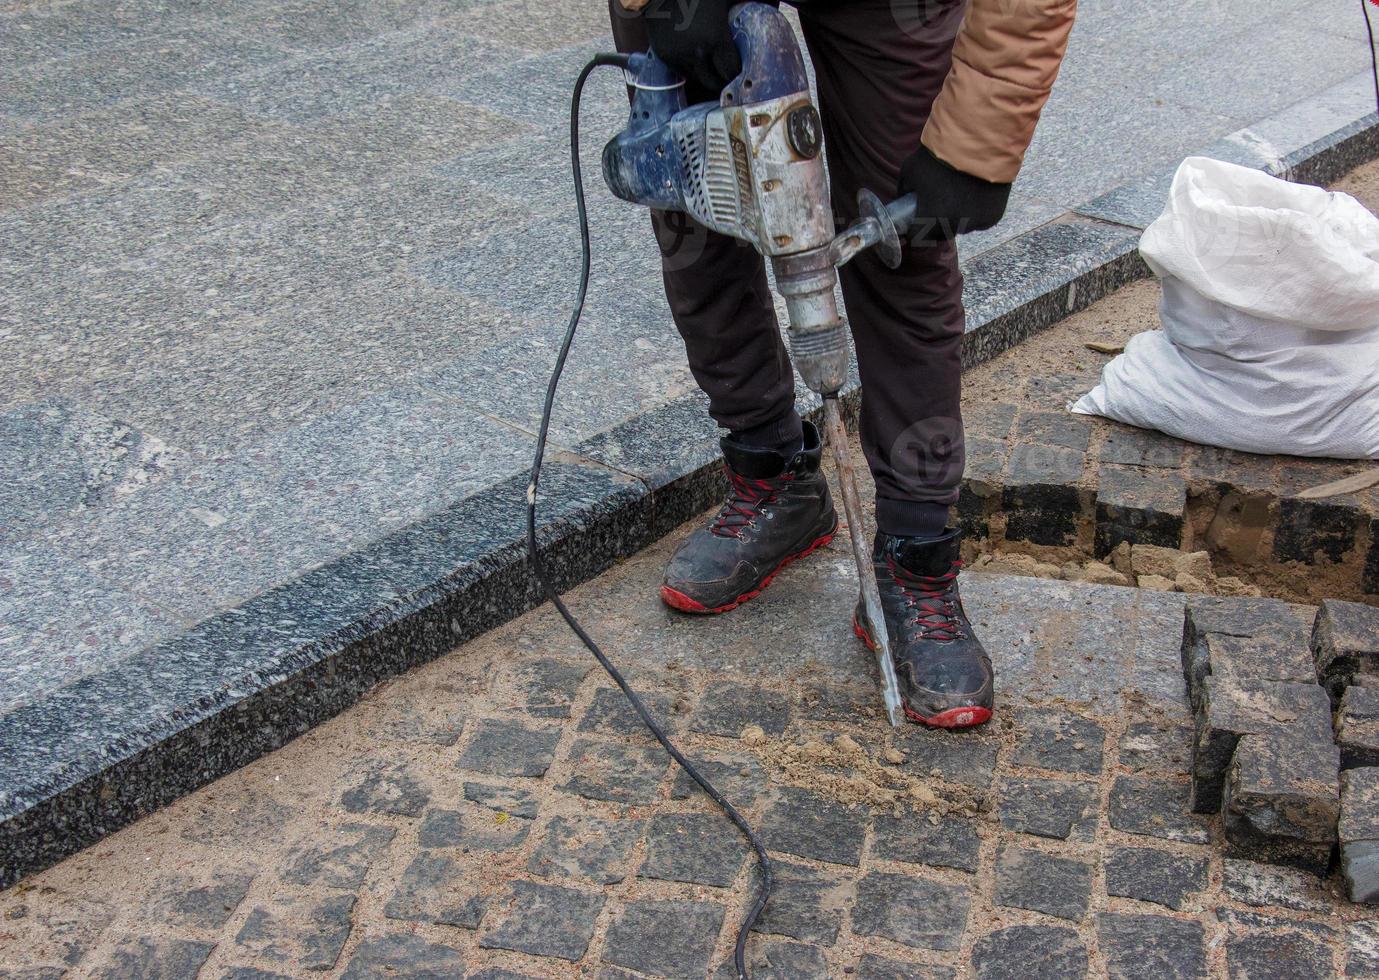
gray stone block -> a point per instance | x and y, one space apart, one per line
1019 952
1269 657
1278 952
510 748
1229 709
1030 879
1047 807
806 903
1139 505
338 857
1126 446
912 911
386 788
1042 501
1052 739
142 957
1345 641
618 773
812 826
664 938
1359 833
1155 807
1138 946
739 777
952 842
1270 622
586 847
1055 429
699 848
1282 799
307 932
1357 727
1156 746
544 920
198 902
403 955
1258 884
729 707
1148 874
436 888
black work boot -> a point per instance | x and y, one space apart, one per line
778 509
944 672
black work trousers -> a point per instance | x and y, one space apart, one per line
879 64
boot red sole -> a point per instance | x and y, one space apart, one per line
678 600
968 716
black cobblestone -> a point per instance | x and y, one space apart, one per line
1277 955
873 967
729 707
1148 874
475 829
806 903
1056 740
199 904
1152 746
548 687
1043 505
1155 807
811 826
610 713
146 958
403 956
309 933
700 848
510 748
505 799
586 847
1048 807
1345 642
1141 506
740 778
387 789
913 911
1022 952
1054 429
968 758
1282 799
951 843
1137 946
545 920
1357 727
1141 447
434 888
339 857
1312 531
1253 883
664 938
1030 879
616 772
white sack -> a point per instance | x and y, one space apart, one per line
1270 315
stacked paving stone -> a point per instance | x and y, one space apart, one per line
1263 752
1345 642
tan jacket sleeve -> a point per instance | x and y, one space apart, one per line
1005 60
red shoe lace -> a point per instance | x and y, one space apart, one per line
936 612
746 497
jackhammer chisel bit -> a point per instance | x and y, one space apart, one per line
751 166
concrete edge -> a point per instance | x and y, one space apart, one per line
298 654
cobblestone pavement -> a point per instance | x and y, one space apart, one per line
499 813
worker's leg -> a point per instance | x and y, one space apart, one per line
879 65
778 506
718 294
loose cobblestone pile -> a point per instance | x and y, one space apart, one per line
500 814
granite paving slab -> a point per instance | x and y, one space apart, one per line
278 287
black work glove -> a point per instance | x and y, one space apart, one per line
951 202
694 40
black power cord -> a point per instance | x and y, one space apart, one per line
1373 59
763 862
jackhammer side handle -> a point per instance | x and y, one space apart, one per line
878 226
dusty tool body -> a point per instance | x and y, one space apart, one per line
751 166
